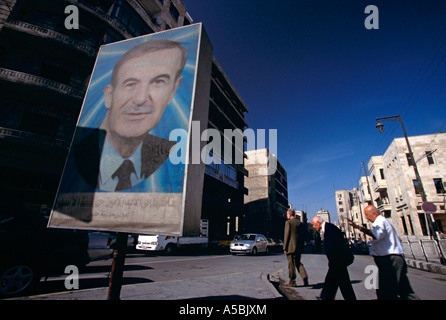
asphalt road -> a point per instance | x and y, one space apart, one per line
140 268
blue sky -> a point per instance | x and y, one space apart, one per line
311 70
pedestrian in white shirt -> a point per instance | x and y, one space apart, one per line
387 251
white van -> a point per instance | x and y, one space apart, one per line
168 244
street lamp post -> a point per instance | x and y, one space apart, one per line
380 126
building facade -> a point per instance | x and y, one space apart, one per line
44 73
395 190
224 183
324 214
350 206
266 203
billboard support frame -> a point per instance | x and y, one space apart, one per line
117 268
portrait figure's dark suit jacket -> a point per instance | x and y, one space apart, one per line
84 160
293 241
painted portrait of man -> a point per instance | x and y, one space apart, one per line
119 174
143 82
122 141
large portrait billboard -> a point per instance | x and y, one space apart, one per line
119 175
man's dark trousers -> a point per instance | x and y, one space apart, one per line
337 277
293 265
392 279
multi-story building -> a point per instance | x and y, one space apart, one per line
224 184
44 72
364 186
266 203
395 189
324 214
349 206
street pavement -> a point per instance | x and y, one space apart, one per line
265 282
234 286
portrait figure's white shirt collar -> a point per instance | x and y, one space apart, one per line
110 162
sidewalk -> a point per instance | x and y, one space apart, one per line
426 266
234 286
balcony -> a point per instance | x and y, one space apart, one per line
380 185
84 5
151 6
30 79
383 204
15 135
31 29
221 176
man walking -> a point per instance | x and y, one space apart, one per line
339 258
387 251
293 247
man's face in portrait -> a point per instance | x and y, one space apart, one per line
143 88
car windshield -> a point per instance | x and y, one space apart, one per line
248 237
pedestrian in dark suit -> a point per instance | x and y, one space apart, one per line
293 247
339 258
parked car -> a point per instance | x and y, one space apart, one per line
225 243
100 245
30 250
250 243
271 242
279 243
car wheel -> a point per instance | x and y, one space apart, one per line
254 251
170 249
17 279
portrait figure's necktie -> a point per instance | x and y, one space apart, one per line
123 173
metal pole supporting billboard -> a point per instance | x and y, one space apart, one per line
117 268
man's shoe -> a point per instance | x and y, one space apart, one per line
290 285
306 282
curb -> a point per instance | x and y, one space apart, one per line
426 266
265 278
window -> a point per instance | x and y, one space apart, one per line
430 158
112 36
174 12
381 172
186 22
403 223
417 187
124 13
438 182
409 159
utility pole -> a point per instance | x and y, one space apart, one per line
368 183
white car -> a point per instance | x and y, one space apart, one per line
250 243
